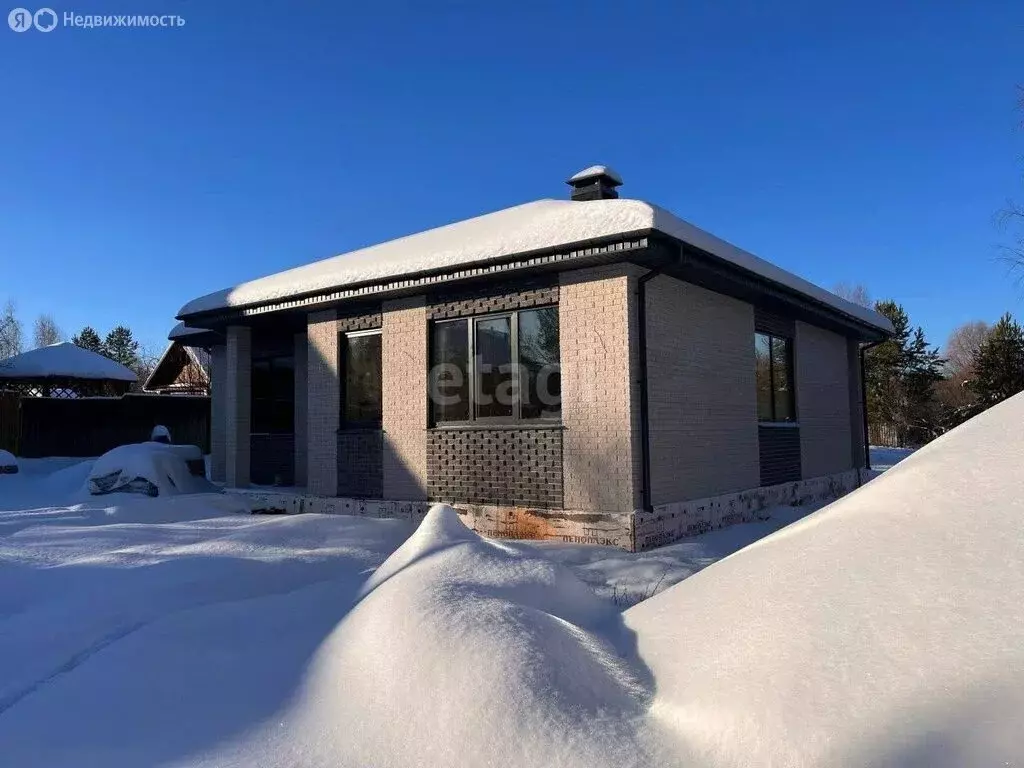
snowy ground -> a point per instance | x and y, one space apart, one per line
181 631
883 458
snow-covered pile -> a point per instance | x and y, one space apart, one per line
8 463
154 469
885 630
464 652
64 360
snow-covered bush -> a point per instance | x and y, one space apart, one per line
8 464
160 434
153 469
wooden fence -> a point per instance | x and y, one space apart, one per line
91 426
893 436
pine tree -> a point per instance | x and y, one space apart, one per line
89 339
901 373
999 368
120 346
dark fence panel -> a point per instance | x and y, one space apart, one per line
10 421
92 426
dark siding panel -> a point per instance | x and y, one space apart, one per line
361 463
516 467
272 459
769 322
779 449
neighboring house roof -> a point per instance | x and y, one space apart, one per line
531 227
64 360
171 363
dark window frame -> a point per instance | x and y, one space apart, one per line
269 359
344 423
516 418
788 345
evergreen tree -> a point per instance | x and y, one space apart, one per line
999 367
89 339
901 373
120 346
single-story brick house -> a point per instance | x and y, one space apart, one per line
593 369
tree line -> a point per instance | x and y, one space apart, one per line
917 393
118 344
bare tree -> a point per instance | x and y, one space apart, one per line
46 331
855 293
10 332
1011 218
962 348
148 357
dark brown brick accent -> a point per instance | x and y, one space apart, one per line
779 450
272 459
517 467
367 321
492 298
777 325
361 463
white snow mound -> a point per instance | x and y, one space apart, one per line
8 463
149 468
884 630
464 652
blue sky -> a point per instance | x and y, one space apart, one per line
143 167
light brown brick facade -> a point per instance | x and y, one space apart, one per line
238 380
597 330
701 392
323 398
218 412
404 380
823 401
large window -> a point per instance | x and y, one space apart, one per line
361 390
496 368
273 395
774 359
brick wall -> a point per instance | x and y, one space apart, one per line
218 412
272 459
779 450
404 372
600 400
323 397
823 400
361 463
301 414
856 403
480 301
518 467
701 392
238 381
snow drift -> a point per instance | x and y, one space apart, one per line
886 629
463 652
8 463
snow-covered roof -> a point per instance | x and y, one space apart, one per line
197 355
63 360
535 226
595 170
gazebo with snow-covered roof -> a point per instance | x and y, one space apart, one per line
64 370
